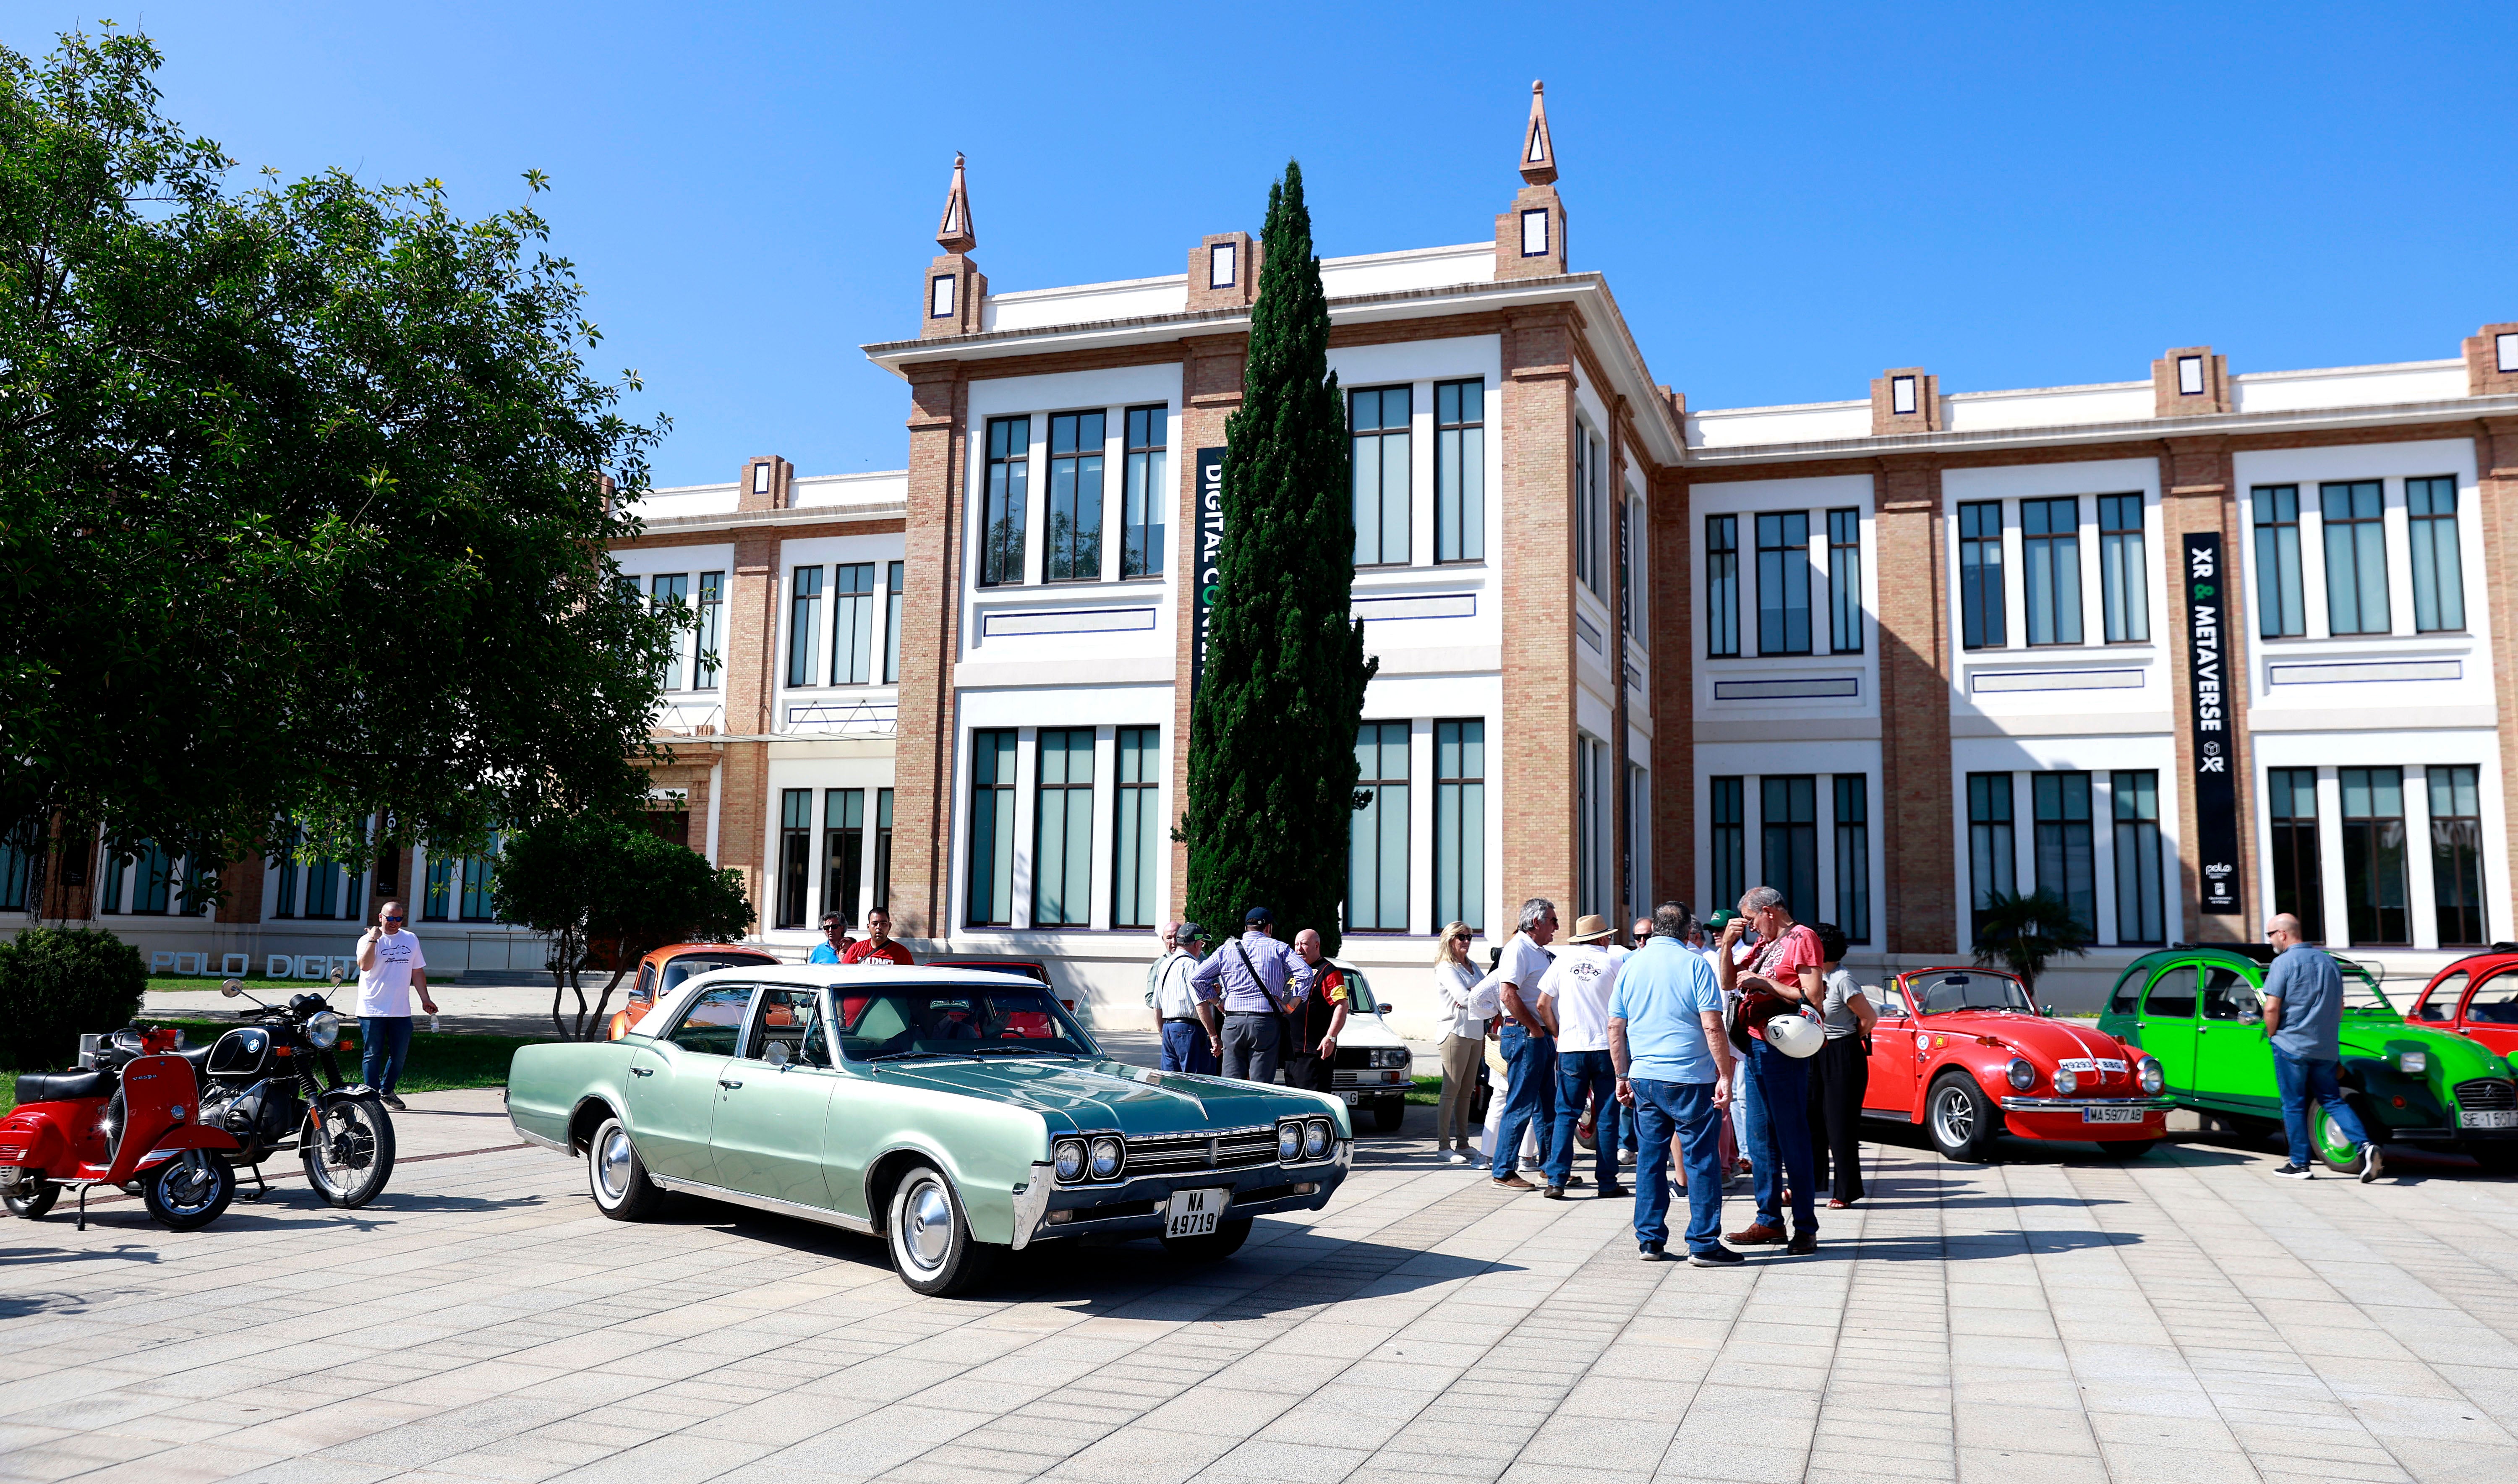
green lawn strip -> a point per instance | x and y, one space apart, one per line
161 983
438 1062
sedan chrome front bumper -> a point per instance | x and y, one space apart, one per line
2075 1104
1134 1208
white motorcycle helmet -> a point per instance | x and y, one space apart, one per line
1795 1036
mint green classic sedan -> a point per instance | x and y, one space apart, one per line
956 1112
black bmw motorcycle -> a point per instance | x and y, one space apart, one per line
275 1084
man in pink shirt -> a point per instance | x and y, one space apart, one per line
1781 977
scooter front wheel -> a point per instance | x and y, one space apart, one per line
189 1191
349 1164
29 1202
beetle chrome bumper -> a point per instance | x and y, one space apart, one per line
1045 1209
2075 1104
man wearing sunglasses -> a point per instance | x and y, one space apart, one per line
390 966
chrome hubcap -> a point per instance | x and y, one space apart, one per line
187 1186
1954 1117
927 1224
612 1167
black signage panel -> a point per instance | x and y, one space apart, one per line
2215 781
1210 556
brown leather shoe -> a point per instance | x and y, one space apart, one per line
1804 1242
1512 1182
1756 1234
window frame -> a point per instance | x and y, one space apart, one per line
2453 859
2294 840
804 624
2050 572
2436 555
1460 472
2279 573
893 580
2065 844
1061 870
853 624
995 772
707 664
2364 538
1993 841
844 852
1723 585
2141 887
1381 828
1459 821
1791 840
1381 436
1005 501
1136 826
1144 494
1075 551
1845 583
1983 618
1784 565
2364 859
794 857
2124 571
1726 864
1852 829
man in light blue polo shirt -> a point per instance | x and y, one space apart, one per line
1675 1070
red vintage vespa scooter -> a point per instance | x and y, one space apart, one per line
131 1121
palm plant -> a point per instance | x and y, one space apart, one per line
2021 932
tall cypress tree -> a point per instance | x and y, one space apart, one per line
1272 767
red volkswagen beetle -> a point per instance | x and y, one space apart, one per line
2476 998
1966 1053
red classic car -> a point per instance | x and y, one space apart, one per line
660 971
1964 1052
2476 998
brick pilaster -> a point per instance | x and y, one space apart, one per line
240 890
2196 481
1671 526
921 805
1211 371
2168 375
2496 463
1920 902
1536 741
1240 258
750 691
2484 373
1918 390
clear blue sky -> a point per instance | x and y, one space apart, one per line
1783 203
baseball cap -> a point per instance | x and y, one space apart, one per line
1258 914
1719 920
1189 932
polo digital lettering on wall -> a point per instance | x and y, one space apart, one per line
1210 555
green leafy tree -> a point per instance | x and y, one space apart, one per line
2022 933
609 890
303 499
56 985
1272 765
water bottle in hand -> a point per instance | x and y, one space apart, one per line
432 1022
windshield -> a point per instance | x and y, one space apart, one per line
2361 989
692 965
953 1020
1358 995
1940 994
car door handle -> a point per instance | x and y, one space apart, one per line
642 1072
722 1082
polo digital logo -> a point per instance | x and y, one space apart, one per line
1210 558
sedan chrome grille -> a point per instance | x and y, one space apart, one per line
1163 1154
2487 1092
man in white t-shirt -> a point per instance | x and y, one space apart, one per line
1528 1043
390 966
1574 997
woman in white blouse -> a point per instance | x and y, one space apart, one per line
1465 1013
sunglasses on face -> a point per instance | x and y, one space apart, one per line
392 917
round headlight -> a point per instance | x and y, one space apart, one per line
1070 1159
1108 1154
1317 1138
2066 1083
324 1029
1395 1057
1289 1143
2152 1079
2023 1076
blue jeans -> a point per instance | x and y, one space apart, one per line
1580 1073
1775 1119
384 1045
1687 1110
1530 1087
1185 1048
2305 1081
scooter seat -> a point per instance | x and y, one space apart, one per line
63 1086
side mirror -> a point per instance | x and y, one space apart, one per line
232 988
338 976
777 1055
2048 1012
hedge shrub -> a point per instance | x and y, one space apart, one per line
57 984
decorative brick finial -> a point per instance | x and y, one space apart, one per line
1538 150
955 233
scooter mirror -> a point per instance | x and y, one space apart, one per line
232 988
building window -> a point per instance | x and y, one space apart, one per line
2298 872
853 624
843 850
314 889
795 854
1377 869
1728 866
1379 440
1783 583
1591 805
706 663
1631 573
2457 856
2356 557
939 297
2067 862
2438 586
1992 851
2282 604
437 898
1459 823
1074 497
1853 856
1589 514
2050 549
1722 586
1787 850
882 850
480 875
992 829
1145 496
17 873
804 619
1062 849
1138 832
892 624
1845 583
1007 502
1638 869
2375 905
664 594
2141 910
1980 596
1460 472
2124 577
1534 233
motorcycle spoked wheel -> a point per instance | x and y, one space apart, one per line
349 1164
29 1203
189 1191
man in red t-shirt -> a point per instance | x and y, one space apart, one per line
1775 1087
877 943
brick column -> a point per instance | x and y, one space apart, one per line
1920 902
240 890
2197 482
2496 463
922 802
1211 367
1620 563
750 691
1537 741
1671 524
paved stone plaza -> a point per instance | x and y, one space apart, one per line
2049 1320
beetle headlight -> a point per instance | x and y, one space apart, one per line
2023 1076
1069 1155
2412 1062
1396 1056
2066 1082
324 1029
2152 1077
1317 1137
1289 1143
1108 1154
